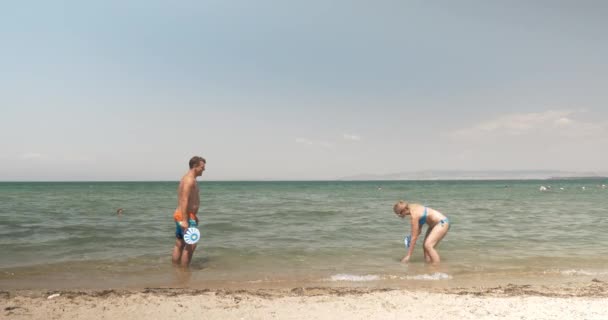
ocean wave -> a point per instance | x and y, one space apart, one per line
433 277
574 272
360 278
356 278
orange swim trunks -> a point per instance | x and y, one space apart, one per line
177 216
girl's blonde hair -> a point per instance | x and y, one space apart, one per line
399 204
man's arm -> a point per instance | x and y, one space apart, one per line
184 198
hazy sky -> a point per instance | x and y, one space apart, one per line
130 90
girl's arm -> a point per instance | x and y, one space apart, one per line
415 234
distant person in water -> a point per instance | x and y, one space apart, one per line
437 229
119 211
185 214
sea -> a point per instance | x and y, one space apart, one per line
283 234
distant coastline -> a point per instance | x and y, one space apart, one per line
428 175
580 178
480 175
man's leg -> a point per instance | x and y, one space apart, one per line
177 251
187 253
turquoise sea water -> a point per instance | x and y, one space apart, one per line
280 233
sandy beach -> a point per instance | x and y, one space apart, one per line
504 302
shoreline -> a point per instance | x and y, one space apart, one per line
177 279
596 288
508 301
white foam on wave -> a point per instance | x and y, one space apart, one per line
434 276
574 272
370 277
353 277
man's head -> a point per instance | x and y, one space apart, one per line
197 164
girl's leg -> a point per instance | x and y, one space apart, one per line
427 257
437 233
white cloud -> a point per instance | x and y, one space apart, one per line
563 122
304 141
32 155
79 158
351 137
551 123
568 140
309 142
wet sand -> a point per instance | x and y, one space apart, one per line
504 302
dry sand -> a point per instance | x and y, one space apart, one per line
503 302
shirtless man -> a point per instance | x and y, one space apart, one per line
188 202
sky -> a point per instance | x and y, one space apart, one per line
300 90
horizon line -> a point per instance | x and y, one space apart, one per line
319 180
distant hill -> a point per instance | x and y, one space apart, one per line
480 175
580 178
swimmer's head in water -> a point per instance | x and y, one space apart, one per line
401 208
